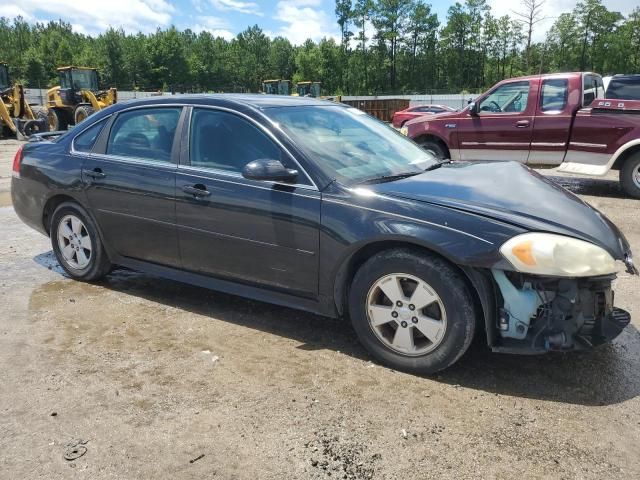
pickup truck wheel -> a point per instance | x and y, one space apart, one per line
412 310
435 148
630 176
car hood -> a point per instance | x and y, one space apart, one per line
512 193
435 116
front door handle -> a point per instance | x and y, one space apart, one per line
197 190
96 173
522 123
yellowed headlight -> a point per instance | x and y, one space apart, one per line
557 255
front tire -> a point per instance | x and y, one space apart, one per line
435 148
82 113
76 243
57 120
412 310
630 176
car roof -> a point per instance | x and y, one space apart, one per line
254 100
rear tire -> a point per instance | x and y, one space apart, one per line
402 333
77 244
439 151
630 176
57 120
82 113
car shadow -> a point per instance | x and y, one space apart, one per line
597 187
605 376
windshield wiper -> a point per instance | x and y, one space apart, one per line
389 178
436 165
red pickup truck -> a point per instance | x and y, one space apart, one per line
542 120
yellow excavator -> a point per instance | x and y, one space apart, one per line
17 117
77 97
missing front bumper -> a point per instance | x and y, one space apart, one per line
570 314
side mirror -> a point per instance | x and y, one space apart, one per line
269 169
473 108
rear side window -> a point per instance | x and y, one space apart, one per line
593 88
224 141
624 88
554 95
85 141
146 134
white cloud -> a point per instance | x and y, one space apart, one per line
250 8
92 16
551 10
304 19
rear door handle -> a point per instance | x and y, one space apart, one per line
96 173
197 190
522 123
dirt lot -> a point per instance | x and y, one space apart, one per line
153 375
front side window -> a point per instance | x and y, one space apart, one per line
4 77
146 134
349 145
224 141
554 95
509 98
85 141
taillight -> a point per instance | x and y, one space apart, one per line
17 160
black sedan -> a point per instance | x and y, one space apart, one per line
317 206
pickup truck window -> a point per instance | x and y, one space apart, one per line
624 88
508 98
554 95
592 88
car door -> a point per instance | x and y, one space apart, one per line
257 232
501 126
552 123
130 183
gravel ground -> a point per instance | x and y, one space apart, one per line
149 378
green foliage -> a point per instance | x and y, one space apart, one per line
385 46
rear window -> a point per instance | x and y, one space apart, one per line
554 95
624 88
146 133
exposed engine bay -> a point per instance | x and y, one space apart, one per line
556 314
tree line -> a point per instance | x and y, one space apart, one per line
385 46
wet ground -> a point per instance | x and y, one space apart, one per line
149 378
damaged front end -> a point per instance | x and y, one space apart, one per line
537 314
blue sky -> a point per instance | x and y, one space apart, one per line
294 19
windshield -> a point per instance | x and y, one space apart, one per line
4 77
80 80
349 145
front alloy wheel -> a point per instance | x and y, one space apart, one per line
412 310
406 314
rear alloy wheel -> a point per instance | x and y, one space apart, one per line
82 113
630 176
412 310
435 148
76 243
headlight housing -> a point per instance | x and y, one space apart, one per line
557 255
404 131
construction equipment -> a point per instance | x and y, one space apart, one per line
308 89
276 87
16 115
76 97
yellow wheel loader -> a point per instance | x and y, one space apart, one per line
76 97
17 117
